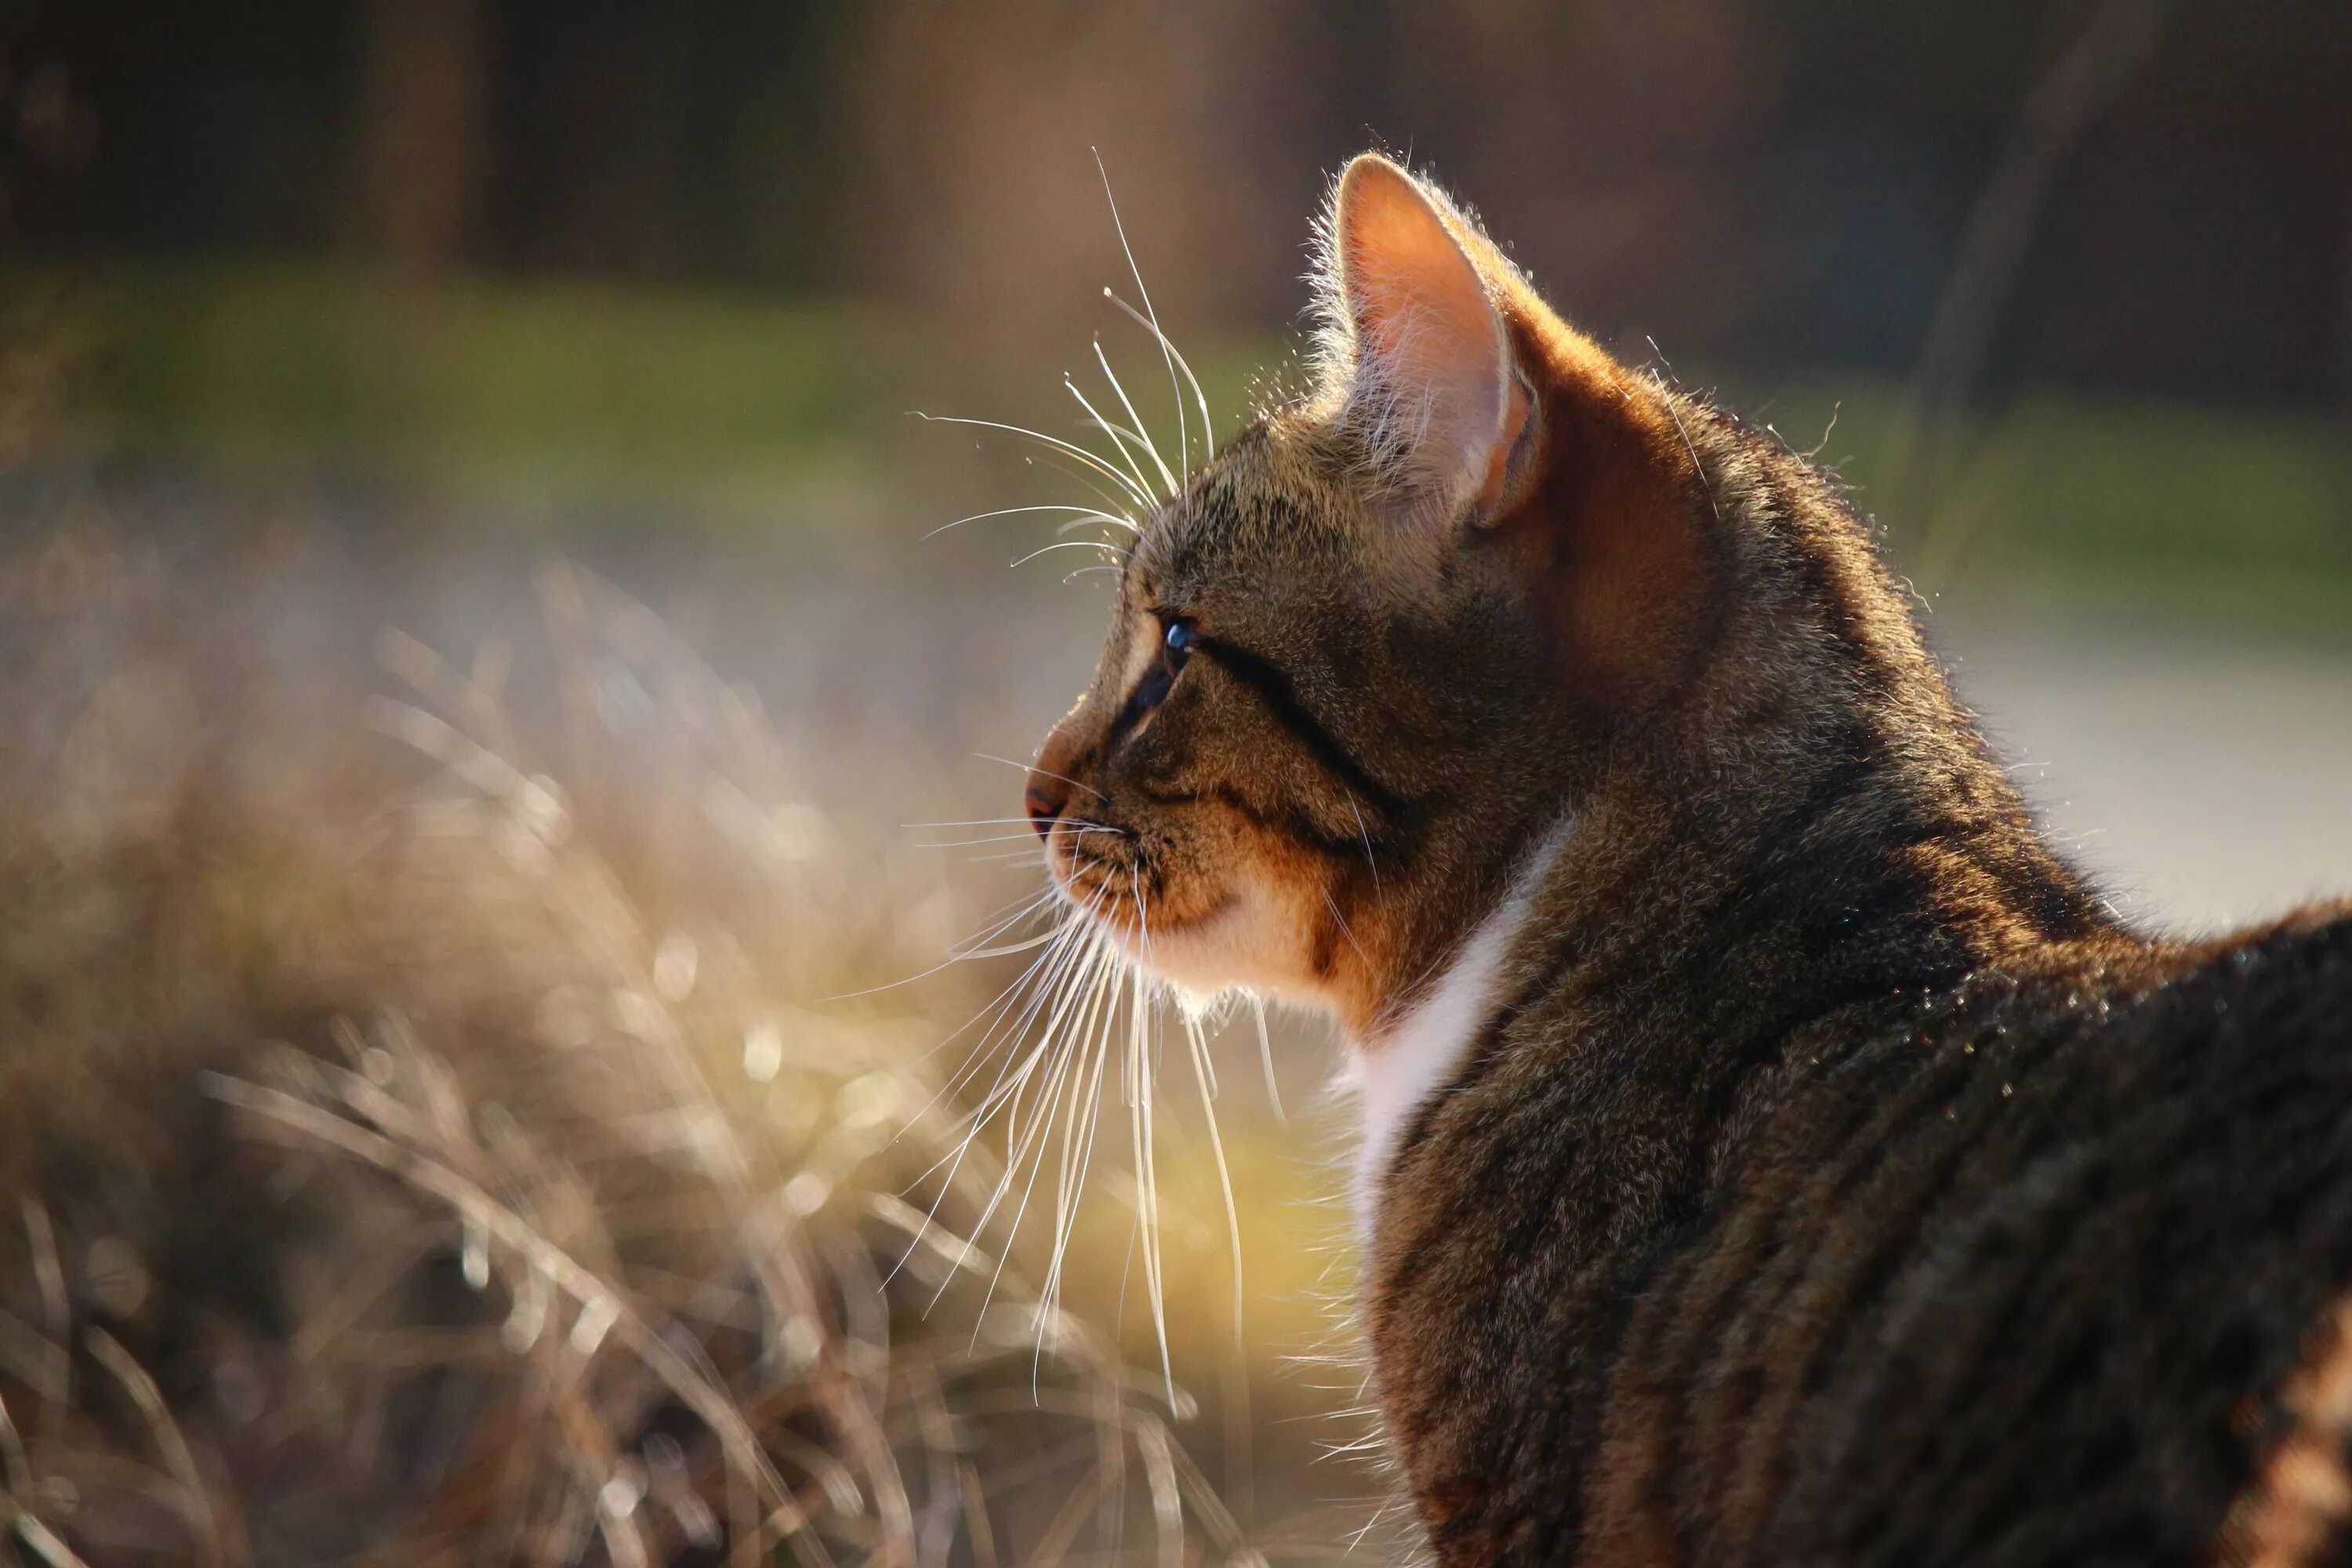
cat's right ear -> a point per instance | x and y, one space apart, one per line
1415 356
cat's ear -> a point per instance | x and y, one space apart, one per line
1415 357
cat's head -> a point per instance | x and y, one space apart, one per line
1390 634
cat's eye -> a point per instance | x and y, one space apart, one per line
1178 644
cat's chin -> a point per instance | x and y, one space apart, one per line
1226 949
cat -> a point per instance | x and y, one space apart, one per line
1771 1152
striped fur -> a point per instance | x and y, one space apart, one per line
1815 1170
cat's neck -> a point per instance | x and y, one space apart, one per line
1416 1048
1702 940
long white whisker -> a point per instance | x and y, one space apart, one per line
1148 1180
1118 436
1057 967
1094 1029
1077 1132
1035 982
990 838
1030 1146
1204 1075
1341 920
1040 974
1113 506
954 957
1167 350
1066 544
1068 448
1052 964
1152 326
1112 426
953 1163
1140 1119
1052 1050
1265 1059
1027 767
1084 514
1044 982
1363 834
1127 403
996 926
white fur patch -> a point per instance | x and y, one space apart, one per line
1397 1071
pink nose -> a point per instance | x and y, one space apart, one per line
1044 798
1050 781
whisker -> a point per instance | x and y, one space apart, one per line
1065 544
991 838
1366 838
1152 326
1167 350
1112 427
1265 1059
1204 1075
1085 514
1133 418
996 1008
1055 964
1342 922
1148 1181
1118 436
1114 508
1051 1051
1091 459
1102 1007
953 958
970 1121
1140 1120
1030 767
1075 831
1086 989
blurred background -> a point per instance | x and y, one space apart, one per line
546 371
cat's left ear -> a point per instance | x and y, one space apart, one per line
1414 351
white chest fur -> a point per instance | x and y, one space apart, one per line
1415 1056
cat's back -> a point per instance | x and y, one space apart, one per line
2045 1273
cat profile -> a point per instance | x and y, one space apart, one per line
1771 1152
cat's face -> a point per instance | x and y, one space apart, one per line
1370 648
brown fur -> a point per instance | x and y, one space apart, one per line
2299 1509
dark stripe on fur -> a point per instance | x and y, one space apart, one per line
1274 688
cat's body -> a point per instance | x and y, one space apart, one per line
1973 1271
1772 1152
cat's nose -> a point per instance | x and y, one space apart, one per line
1042 804
1050 781
1045 797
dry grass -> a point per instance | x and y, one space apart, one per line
425 1150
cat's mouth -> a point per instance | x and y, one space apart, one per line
1113 885
1171 931
1204 941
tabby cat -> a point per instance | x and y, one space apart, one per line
1771 1152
